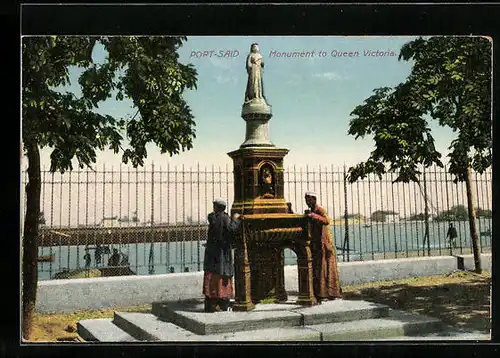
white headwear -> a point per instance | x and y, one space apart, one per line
220 202
311 193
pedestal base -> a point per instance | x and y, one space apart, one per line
259 259
268 276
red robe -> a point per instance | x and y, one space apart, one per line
326 280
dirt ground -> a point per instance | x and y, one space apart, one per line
61 327
460 299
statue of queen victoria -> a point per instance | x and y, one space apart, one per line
254 65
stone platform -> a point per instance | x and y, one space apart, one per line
339 320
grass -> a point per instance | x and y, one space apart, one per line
62 326
460 299
268 300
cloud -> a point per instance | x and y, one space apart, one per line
224 63
329 76
294 79
226 79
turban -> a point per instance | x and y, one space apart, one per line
311 193
220 202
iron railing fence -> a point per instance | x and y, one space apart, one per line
155 217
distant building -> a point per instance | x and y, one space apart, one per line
115 221
110 221
392 218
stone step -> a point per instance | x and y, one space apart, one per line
102 330
342 311
397 324
190 315
147 327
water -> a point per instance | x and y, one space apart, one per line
363 241
407 236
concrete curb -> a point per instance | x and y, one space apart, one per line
466 262
95 293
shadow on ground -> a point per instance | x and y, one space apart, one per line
464 305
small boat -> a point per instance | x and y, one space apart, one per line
46 258
94 272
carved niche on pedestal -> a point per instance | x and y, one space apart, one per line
258 180
267 181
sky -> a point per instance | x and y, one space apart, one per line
311 98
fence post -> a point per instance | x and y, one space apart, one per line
151 247
91 185
426 217
198 248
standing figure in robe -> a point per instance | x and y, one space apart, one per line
326 281
218 263
267 189
255 88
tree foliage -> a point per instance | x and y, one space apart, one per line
450 82
484 213
144 69
381 215
460 212
417 217
457 212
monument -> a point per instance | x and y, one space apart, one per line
259 266
268 228
258 164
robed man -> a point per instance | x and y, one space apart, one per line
326 280
218 264
452 235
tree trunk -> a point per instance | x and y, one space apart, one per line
30 248
346 222
476 249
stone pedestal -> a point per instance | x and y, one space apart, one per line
259 261
242 275
268 228
251 194
258 165
257 114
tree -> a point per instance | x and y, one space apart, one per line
450 82
381 215
484 213
457 212
143 69
417 217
